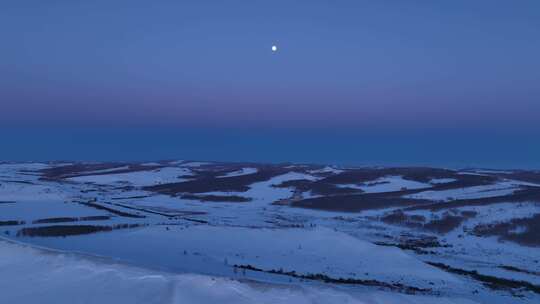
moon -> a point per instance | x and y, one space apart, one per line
274 48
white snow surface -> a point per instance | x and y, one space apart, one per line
498 189
110 170
138 178
489 171
34 275
193 164
300 250
387 184
243 171
263 192
327 169
29 192
442 180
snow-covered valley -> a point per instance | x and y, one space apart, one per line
207 232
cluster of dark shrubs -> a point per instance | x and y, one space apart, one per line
525 231
358 202
418 245
88 190
444 224
19 182
399 217
490 281
327 279
129 197
69 230
11 223
447 222
515 269
111 210
469 214
217 198
71 219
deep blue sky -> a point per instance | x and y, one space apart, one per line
388 82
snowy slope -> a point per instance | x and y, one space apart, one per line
40 276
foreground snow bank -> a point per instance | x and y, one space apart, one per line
30 275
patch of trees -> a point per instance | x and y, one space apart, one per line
111 210
71 219
70 230
217 198
327 279
525 231
11 223
490 281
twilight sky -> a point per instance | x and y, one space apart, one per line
449 83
